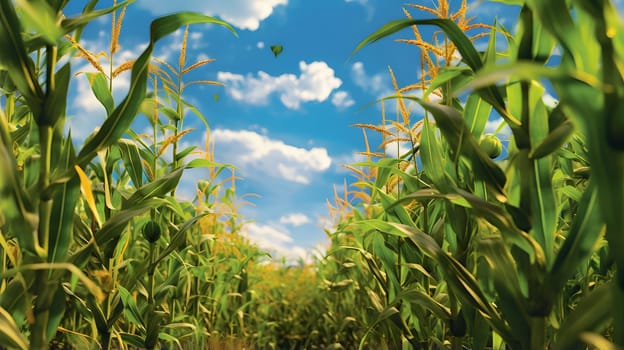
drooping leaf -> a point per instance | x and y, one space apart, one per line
10 334
555 139
123 115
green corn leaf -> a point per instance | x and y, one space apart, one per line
40 17
170 113
205 163
98 314
432 156
476 114
506 280
496 215
417 297
527 71
132 161
452 125
504 222
188 106
57 311
469 54
10 334
461 280
15 203
540 187
591 314
88 15
157 188
13 299
123 115
131 310
178 238
152 330
464 45
557 20
586 229
133 339
553 142
15 60
490 52
99 86
112 228
56 99
185 152
64 205
388 259
456 76
88 284
386 313
399 213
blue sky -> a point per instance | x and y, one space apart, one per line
284 122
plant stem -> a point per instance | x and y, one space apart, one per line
538 333
45 203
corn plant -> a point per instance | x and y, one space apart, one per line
517 245
46 238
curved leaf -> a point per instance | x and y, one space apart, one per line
122 117
10 334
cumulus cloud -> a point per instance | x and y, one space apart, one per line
315 83
295 219
276 241
341 99
244 14
257 153
375 84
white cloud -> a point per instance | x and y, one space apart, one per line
277 242
375 84
549 100
295 219
315 83
260 45
341 99
397 149
244 14
258 154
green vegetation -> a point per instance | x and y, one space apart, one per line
460 242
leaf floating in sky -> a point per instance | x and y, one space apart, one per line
277 49
216 97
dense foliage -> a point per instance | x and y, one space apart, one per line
460 240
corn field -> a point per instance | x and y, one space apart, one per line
466 241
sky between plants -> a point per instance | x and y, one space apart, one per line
285 122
